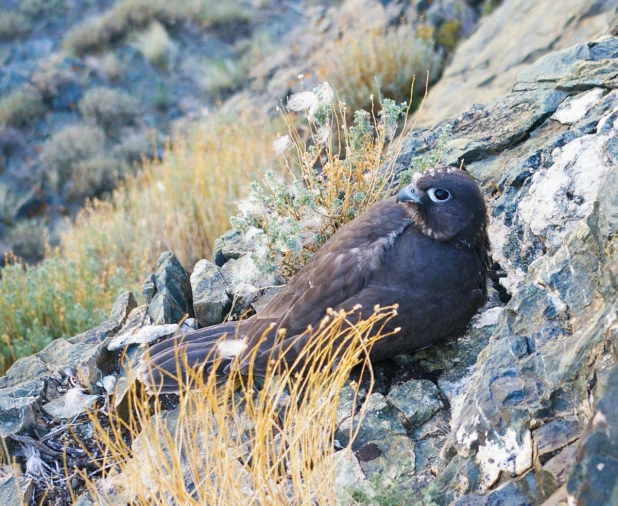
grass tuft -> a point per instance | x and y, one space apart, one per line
108 108
128 16
20 107
367 61
248 441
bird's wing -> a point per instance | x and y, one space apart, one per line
336 273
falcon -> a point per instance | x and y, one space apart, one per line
425 250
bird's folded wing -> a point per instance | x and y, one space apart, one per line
337 273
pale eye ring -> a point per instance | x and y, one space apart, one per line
439 194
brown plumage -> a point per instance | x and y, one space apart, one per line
426 250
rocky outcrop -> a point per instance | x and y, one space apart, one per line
507 413
518 32
546 157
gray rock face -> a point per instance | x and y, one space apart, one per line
595 478
211 302
517 32
16 491
168 291
552 188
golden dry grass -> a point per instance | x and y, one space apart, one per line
240 443
182 203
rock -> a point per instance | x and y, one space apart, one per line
211 302
230 246
573 110
520 33
16 491
19 407
555 435
144 335
263 300
123 307
120 311
417 401
594 481
168 291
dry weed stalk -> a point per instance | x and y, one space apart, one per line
246 441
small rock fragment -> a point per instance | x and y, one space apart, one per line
211 301
417 400
168 291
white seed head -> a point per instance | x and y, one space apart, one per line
282 144
231 347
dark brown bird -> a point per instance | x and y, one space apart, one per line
426 250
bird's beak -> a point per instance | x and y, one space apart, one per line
409 195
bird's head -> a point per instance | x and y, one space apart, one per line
446 203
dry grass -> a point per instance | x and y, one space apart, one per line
366 61
246 442
20 107
181 203
127 16
155 45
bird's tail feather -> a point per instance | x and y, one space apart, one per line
172 364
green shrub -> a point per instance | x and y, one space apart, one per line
489 6
39 8
27 240
58 298
19 107
289 220
67 148
128 16
95 177
155 45
8 202
135 146
448 34
223 76
108 108
13 24
364 62
111 67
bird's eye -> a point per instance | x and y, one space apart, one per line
438 194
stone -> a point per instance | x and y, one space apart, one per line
575 109
168 291
263 300
19 407
555 435
416 400
379 422
594 480
144 335
389 456
230 246
211 302
122 307
71 404
16 491
505 43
